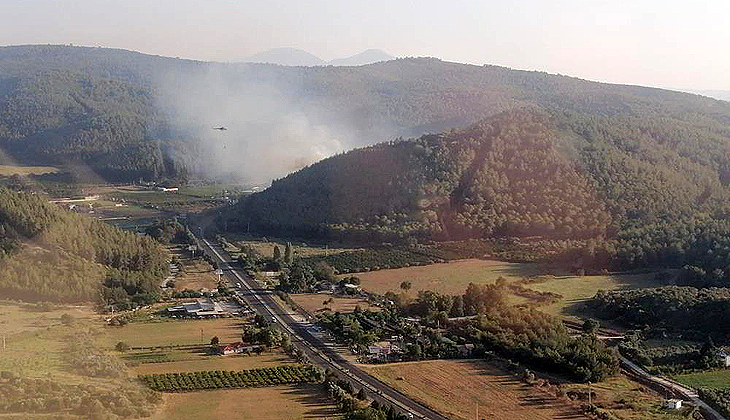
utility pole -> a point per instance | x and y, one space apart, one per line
3 342
589 393
201 336
477 417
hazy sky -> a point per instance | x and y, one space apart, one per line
671 43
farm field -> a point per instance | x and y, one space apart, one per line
270 403
630 401
174 332
710 379
8 170
266 247
450 278
576 290
313 303
453 388
232 362
196 273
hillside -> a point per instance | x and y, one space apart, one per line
522 173
112 110
47 253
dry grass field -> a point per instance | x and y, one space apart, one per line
631 401
35 339
454 387
8 170
174 332
196 273
266 248
231 362
271 403
313 303
451 278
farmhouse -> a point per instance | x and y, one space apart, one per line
200 308
238 348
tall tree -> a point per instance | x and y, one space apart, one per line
288 254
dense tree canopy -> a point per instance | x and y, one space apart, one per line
52 254
103 108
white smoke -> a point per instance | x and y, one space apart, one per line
270 132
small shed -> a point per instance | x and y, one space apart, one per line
673 404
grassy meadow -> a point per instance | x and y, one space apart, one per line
9 170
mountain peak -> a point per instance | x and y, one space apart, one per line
286 56
366 57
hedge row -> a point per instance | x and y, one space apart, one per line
214 379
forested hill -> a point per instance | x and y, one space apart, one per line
103 107
50 254
520 173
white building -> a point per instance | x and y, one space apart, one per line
673 404
201 308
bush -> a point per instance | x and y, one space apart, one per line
122 346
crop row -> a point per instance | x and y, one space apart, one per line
214 379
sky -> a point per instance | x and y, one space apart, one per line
674 44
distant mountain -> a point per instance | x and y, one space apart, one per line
723 95
286 57
297 57
128 115
365 57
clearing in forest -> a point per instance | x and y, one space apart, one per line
576 290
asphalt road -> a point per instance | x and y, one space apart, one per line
687 392
321 355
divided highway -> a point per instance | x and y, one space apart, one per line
262 300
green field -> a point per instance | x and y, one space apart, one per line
8 170
710 379
576 290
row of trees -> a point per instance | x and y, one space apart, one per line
279 375
690 310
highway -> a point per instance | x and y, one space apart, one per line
262 300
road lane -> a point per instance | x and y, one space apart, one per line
262 300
